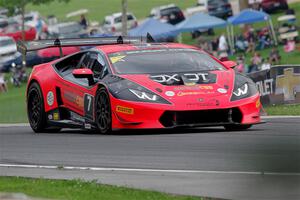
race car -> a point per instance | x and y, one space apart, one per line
135 83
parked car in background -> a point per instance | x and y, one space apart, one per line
36 58
217 8
67 30
3 22
3 11
274 5
15 31
169 13
113 23
7 46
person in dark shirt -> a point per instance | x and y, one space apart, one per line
83 21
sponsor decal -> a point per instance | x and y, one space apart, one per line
200 87
194 77
258 103
50 98
78 100
170 93
265 87
180 94
211 102
287 84
50 117
144 95
241 91
125 110
117 59
55 116
222 90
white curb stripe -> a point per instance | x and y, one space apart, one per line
145 170
280 117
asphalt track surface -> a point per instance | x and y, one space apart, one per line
262 163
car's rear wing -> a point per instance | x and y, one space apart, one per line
24 47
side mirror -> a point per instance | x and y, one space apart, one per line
84 73
230 64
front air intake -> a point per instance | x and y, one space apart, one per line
200 117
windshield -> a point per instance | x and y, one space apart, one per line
163 61
6 42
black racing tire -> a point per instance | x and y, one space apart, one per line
35 108
237 127
103 113
36 111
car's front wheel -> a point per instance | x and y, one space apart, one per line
236 127
103 111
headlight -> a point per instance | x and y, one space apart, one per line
126 90
243 87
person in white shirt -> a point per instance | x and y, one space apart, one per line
3 86
223 47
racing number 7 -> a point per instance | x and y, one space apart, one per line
89 106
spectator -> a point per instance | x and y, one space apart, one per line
214 46
240 64
39 28
255 63
265 65
263 39
274 56
251 41
83 22
3 86
289 46
223 46
241 44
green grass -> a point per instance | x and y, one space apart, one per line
79 190
283 110
98 9
12 105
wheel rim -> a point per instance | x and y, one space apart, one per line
34 108
103 112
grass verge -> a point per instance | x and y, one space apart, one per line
80 190
283 110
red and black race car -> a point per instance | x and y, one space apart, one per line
134 83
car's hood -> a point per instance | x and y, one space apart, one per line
189 88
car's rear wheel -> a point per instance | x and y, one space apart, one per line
103 111
236 127
35 108
36 111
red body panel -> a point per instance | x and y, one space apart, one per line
129 114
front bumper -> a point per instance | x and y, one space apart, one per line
136 115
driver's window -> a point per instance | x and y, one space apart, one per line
99 66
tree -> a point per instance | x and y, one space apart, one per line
124 17
20 5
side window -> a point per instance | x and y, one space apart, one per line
86 61
129 17
99 66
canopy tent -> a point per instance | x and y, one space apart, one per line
249 16
155 28
200 21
